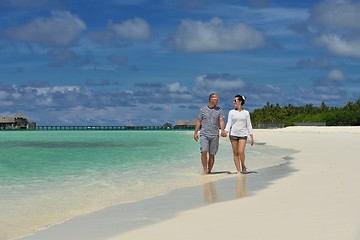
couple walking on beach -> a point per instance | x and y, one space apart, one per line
238 127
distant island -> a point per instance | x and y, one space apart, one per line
348 115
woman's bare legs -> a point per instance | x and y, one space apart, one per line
241 150
235 148
238 148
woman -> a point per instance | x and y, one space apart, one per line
239 128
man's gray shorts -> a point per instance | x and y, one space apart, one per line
209 144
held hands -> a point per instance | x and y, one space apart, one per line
196 136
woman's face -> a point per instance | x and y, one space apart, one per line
237 102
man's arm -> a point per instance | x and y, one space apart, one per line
222 127
197 127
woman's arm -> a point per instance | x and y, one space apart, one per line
229 123
250 129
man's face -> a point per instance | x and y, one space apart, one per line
214 99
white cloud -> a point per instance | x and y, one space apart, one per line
3 95
61 29
177 88
339 45
133 29
278 14
51 90
214 36
323 93
44 101
337 13
205 85
335 75
336 23
16 96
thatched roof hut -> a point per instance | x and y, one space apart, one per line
18 121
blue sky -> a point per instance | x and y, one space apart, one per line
112 62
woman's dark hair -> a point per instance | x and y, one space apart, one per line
241 99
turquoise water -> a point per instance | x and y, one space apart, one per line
47 177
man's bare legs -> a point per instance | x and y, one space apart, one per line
207 164
204 162
211 162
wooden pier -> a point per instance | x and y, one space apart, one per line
103 128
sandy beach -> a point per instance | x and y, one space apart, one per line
319 200
314 196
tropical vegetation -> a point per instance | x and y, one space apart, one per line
348 115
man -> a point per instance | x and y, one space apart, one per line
210 119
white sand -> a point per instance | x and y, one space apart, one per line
319 200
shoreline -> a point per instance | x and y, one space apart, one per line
318 200
130 216
296 195
219 186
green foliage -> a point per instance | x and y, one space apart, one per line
344 116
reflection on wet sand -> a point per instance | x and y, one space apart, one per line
210 195
213 195
241 186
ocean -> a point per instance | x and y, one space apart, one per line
48 177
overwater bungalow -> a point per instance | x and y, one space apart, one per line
18 121
185 124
